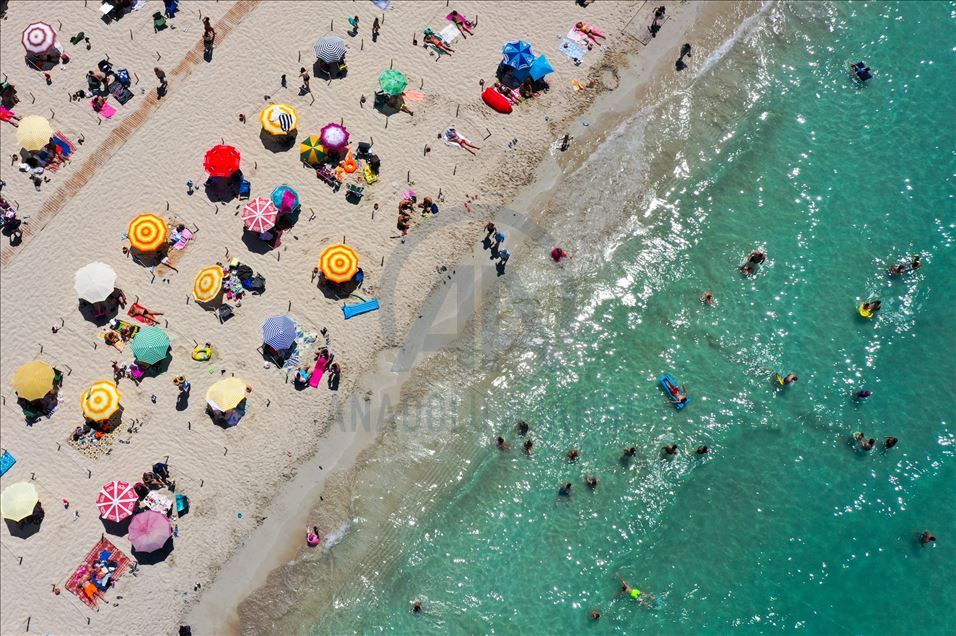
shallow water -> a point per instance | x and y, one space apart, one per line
783 525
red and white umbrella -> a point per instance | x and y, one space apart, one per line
38 38
259 215
116 501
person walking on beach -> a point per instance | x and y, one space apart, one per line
304 74
209 34
375 28
161 76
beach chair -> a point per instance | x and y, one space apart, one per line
224 313
159 22
172 6
354 193
325 174
245 188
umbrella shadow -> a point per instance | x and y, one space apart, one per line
223 189
116 528
328 71
255 244
385 105
159 368
44 63
97 313
156 556
22 529
182 401
278 143
147 259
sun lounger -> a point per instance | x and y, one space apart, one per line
106 111
6 462
361 308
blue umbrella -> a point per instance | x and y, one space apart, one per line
279 332
279 197
540 68
518 54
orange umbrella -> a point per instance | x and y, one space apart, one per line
339 263
147 233
208 284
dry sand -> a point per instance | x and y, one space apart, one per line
139 162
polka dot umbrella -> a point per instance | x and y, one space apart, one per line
339 263
208 284
147 233
100 401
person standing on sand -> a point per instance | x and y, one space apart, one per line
209 34
304 74
375 29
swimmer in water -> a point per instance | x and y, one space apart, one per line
862 394
872 306
591 481
747 269
637 595
926 538
565 490
557 254
523 427
528 445
707 298
789 379
629 452
890 442
756 257
595 615
417 607
868 444
502 444
702 450
670 449
573 454
858 438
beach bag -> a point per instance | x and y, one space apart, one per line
122 76
255 285
243 271
225 312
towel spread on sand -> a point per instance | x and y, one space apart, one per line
106 111
572 49
449 33
450 134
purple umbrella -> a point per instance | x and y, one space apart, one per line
334 137
149 531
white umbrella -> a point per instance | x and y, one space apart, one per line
94 282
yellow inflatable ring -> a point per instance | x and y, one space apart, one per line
202 354
864 312
350 164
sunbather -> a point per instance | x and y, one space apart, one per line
438 43
589 31
512 96
452 137
464 25
140 312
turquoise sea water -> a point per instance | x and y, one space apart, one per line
783 526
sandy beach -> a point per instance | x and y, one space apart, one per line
252 487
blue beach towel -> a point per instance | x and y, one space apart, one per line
6 462
359 309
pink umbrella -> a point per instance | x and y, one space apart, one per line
149 531
334 137
116 501
259 215
38 38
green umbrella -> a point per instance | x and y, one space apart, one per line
392 82
311 151
150 345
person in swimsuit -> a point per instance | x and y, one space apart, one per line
670 449
757 257
528 445
637 595
438 43
502 444
926 538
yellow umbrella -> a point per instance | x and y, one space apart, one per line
34 132
147 233
278 119
18 501
33 380
100 401
339 263
226 394
208 284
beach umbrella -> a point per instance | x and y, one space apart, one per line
94 282
259 215
279 332
311 151
149 531
330 48
33 380
392 82
285 198
34 132
100 401
221 161
278 119
226 394
38 38
518 54
334 137
540 68
339 263
116 501
18 500
147 233
208 283
150 345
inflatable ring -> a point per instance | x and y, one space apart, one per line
202 354
349 164
865 312
312 539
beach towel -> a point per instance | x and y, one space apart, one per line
317 372
350 311
106 111
143 319
6 462
66 148
572 49
450 133
449 34
461 20
88 592
184 237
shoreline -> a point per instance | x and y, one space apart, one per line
645 69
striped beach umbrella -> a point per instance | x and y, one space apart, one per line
208 283
38 38
18 500
150 345
147 233
221 161
285 198
392 82
34 132
259 215
279 332
116 501
33 380
226 394
278 119
311 151
518 54
94 282
100 401
149 531
338 263
330 48
334 137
